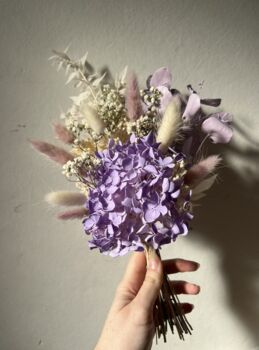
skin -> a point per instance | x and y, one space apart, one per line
129 325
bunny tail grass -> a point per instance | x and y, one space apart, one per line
201 170
200 190
62 133
92 118
77 213
133 99
170 124
57 154
65 198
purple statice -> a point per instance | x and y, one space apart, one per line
139 197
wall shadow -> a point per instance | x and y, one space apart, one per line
231 224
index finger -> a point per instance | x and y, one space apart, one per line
179 265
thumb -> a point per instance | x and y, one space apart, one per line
149 290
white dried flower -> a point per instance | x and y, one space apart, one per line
111 108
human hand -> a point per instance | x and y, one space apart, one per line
129 325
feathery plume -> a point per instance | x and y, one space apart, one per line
201 188
66 198
55 153
201 170
92 118
133 99
170 124
62 133
77 213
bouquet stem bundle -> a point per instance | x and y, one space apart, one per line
168 312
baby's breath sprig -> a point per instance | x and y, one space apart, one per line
76 126
147 122
111 108
151 97
107 99
142 126
81 169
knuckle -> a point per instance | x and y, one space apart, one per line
120 289
153 280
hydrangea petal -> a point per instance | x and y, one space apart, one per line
151 215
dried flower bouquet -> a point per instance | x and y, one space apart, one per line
135 156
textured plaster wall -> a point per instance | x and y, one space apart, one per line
54 292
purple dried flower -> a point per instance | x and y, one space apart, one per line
192 107
217 127
139 198
161 79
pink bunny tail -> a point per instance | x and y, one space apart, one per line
133 99
201 170
62 133
77 213
57 154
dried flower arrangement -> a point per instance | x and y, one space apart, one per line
135 157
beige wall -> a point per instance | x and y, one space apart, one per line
54 292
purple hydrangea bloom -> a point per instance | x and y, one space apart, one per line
138 198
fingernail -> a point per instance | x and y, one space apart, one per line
153 261
198 288
153 264
195 288
197 265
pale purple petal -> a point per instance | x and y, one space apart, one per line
165 99
110 205
112 189
219 132
165 185
175 229
224 117
151 215
167 161
115 219
127 202
175 194
192 107
154 181
88 224
163 209
150 169
161 77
